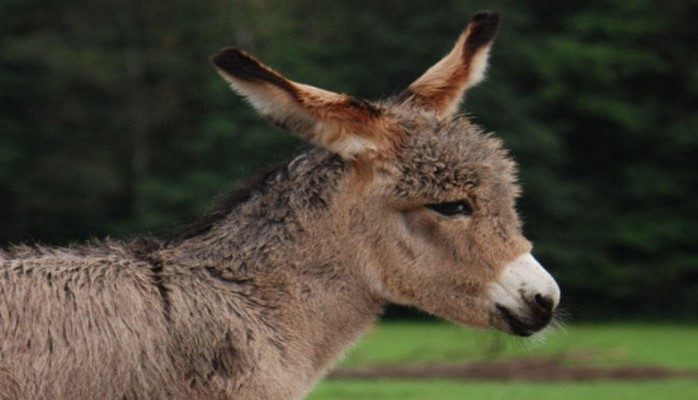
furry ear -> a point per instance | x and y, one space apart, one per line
340 123
442 86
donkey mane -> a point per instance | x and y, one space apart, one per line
273 176
226 203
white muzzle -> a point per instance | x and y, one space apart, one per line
525 296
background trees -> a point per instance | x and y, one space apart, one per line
113 122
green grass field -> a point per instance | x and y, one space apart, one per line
603 345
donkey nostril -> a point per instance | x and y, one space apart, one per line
545 302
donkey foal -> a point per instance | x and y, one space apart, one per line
399 201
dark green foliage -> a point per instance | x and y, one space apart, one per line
113 122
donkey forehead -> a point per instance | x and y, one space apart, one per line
444 160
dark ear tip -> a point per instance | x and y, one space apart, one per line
486 20
483 28
491 17
229 59
240 65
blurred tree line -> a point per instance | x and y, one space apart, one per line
113 122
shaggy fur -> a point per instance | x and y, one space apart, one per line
260 297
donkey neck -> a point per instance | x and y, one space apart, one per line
292 239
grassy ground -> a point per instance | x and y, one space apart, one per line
449 390
671 346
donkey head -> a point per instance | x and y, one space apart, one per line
430 196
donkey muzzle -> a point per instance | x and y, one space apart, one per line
525 297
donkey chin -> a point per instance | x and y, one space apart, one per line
525 297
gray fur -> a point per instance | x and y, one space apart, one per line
262 296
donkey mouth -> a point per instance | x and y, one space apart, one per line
524 328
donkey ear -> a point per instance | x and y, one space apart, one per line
340 123
442 87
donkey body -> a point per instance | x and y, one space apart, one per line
398 202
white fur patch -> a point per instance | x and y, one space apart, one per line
351 146
267 99
478 67
520 282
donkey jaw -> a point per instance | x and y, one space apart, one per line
525 297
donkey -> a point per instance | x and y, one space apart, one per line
398 202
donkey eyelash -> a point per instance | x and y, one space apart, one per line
452 208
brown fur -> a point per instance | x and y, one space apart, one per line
259 298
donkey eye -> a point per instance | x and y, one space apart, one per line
452 208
